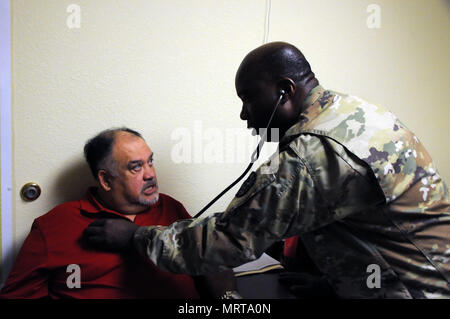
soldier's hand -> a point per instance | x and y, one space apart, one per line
110 234
304 285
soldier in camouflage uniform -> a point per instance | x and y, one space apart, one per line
352 181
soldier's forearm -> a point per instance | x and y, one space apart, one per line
192 246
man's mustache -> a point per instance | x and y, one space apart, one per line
149 184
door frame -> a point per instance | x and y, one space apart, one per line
7 245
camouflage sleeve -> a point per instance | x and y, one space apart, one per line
281 199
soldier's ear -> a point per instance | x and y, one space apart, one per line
287 86
104 179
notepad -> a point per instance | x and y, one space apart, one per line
263 264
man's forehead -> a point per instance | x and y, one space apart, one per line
250 75
128 147
250 83
244 73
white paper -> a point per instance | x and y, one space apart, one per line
260 263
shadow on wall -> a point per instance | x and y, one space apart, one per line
73 182
447 2
8 258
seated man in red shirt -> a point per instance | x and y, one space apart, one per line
54 261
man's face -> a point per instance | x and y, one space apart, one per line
135 186
259 99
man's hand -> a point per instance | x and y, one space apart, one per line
110 234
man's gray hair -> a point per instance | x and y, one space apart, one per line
98 151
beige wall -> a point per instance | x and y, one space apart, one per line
156 66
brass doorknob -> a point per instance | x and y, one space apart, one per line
30 192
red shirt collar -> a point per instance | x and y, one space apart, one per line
90 204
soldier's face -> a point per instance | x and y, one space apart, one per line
259 98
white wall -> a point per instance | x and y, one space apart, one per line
156 66
404 65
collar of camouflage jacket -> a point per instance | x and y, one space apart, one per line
317 100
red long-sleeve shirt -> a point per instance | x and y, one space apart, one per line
55 242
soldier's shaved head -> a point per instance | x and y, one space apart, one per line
277 60
263 75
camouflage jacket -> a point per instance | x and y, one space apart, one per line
358 188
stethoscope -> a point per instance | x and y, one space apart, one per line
254 158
